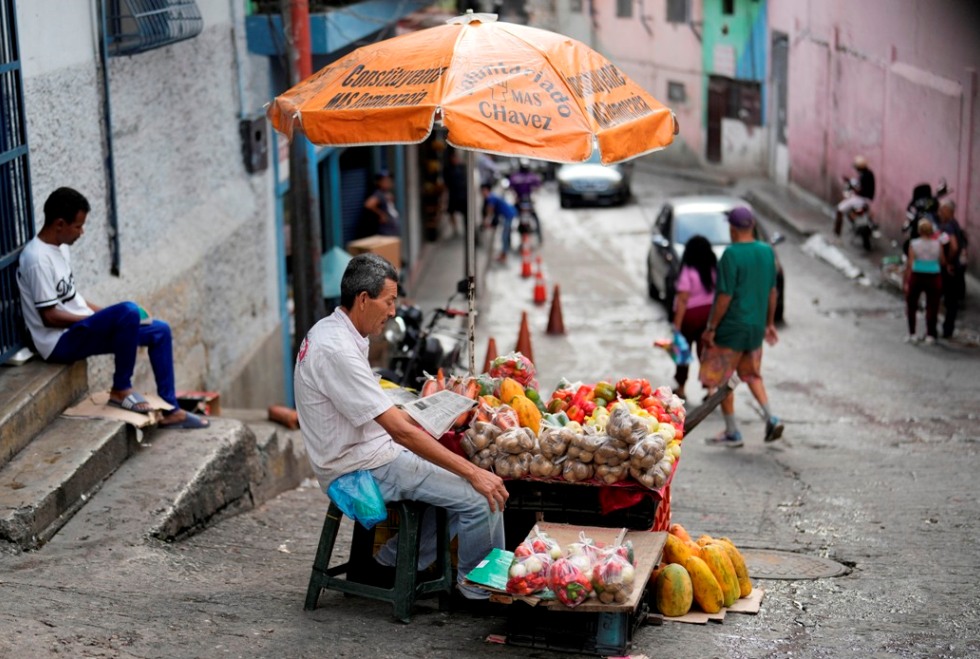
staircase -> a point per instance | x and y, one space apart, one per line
65 478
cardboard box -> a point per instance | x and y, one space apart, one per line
200 402
388 247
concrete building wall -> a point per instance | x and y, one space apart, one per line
196 231
655 54
893 80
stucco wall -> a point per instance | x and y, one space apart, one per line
196 231
893 80
654 53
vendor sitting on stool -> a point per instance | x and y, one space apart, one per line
349 424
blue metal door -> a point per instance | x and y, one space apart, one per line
16 210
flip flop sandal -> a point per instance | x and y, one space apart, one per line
130 403
190 422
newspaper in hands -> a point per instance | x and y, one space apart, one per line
437 412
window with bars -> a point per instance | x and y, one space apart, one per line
16 214
624 8
135 26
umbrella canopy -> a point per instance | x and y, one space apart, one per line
496 87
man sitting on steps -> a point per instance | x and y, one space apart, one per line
66 328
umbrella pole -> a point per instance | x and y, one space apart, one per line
470 258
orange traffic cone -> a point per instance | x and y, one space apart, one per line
540 291
556 325
491 355
524 339
525 258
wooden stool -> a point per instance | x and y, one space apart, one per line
407 588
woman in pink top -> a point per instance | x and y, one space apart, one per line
695 291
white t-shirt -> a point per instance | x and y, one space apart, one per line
338 397
45 280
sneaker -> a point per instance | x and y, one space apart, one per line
930 340
912 338
729 439
774 429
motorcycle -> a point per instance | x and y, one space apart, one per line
859 216
924 205
527 218
417 348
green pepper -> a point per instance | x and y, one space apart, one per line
557 405
605 390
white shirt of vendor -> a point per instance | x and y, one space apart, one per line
338 397
45 280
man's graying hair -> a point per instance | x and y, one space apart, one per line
365 273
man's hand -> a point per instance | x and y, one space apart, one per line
708 338
492 487
405 431
771 337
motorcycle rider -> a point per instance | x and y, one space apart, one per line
863 192
524 182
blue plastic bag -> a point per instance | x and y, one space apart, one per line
682 350
358 496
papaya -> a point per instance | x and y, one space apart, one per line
656 572
707 592
509 388
673 592
716 557
704 540
741 570
680 532
528 414
492 401
678 551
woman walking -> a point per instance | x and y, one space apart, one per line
923 274
693 297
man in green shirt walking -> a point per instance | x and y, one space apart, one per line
742 317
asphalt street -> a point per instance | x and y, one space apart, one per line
876 471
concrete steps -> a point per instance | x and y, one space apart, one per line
179 482
31 395
69 480
51 478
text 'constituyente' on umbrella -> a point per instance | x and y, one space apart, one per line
497 87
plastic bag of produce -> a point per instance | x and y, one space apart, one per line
613 576
528 574
570 582
516 366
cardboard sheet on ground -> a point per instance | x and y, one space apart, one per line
96 406
647 547
750 604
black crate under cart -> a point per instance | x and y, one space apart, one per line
533 500
591 627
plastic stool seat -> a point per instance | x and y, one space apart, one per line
407 588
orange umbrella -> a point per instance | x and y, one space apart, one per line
496 87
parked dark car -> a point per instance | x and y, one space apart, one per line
683 217
591 182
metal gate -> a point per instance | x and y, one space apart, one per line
16 211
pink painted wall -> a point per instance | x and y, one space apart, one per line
893 80
654 52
